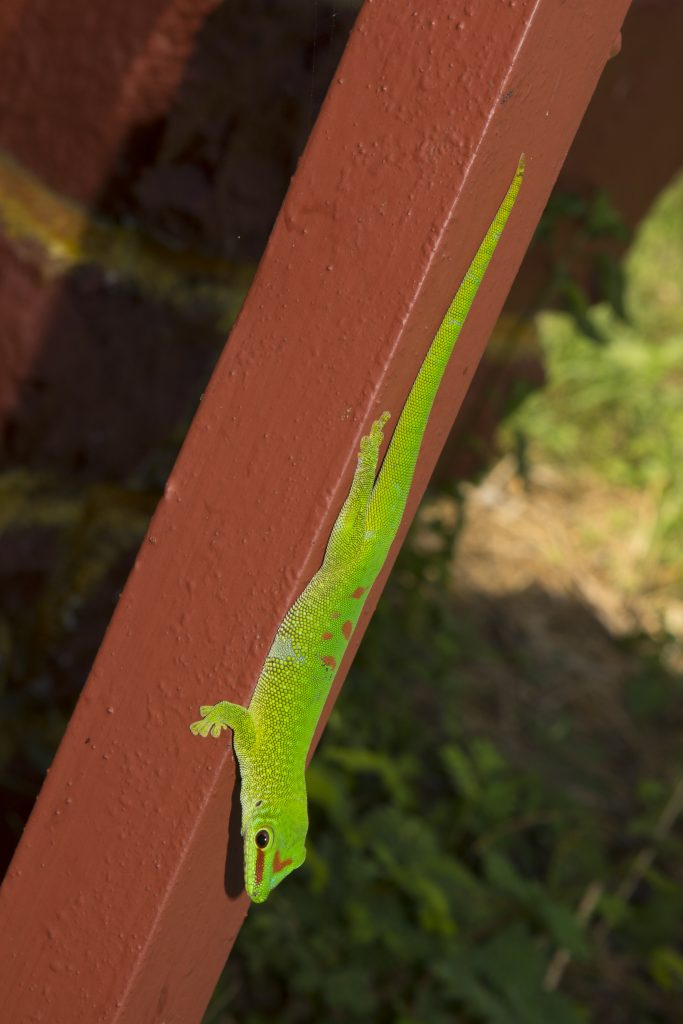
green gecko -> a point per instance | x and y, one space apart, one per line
272 736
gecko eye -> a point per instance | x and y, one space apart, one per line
262 838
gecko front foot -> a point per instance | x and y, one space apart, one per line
213 720
225 715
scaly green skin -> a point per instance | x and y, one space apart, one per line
273 735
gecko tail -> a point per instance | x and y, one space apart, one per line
391 489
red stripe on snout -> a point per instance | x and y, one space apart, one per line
258 870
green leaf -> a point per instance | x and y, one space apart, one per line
666 967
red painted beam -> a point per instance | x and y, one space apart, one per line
77 76
118 905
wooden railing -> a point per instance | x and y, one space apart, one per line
125 894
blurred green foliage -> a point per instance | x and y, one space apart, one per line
616 410
588 220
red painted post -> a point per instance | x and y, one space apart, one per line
77 76
118 905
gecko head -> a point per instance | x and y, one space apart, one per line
273 846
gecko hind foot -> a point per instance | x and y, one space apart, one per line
369 445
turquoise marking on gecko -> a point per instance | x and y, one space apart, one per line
273 735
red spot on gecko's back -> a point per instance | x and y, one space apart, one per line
327 636
346 629
358 592
329 660
280 865
258 869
